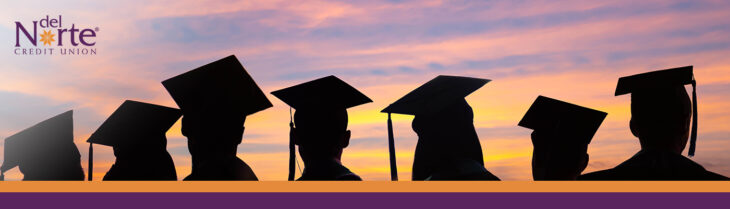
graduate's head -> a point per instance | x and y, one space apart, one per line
320 119
554 160
661 118
449 132
445 139
321 133
215 100
661 110
136 127
45 151
560 137
444 123
202 128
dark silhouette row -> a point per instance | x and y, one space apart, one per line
216 98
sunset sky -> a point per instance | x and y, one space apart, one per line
570 50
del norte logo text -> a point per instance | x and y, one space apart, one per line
50 36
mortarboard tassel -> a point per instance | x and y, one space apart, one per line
391 150
292 150
91 161
693 136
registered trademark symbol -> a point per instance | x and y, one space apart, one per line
96 29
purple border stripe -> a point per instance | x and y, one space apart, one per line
365 200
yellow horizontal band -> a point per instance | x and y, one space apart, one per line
371 186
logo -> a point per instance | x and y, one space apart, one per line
50 36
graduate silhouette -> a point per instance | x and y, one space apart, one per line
448 147
215 100
321 126
660 117
45 151
562 132
136 131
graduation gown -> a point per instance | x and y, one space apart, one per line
56 172
655 165
62 166
331 171
463 170
230 169
155 166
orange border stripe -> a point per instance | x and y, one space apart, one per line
372 186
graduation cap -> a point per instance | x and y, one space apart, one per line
39 141
324 93
662 80
220 85
430 98
551 114
132 124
